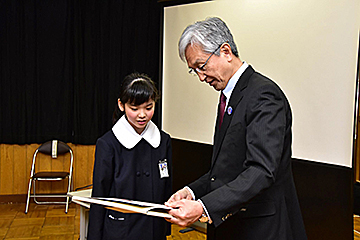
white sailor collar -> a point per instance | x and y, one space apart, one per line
128 137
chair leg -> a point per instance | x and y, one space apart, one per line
34 192
67 197
67 205
28 197
32 183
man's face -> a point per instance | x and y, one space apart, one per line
215 72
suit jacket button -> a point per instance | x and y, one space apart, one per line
138 174
213 179
147 174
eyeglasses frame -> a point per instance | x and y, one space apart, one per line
195 71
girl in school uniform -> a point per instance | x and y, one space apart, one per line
132 161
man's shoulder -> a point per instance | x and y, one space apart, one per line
258 79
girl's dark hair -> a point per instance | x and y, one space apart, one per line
136 88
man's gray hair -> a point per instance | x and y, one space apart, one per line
209 34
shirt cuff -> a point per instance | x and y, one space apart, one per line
202 204
205 210
191 192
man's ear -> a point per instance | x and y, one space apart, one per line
225 49
121 105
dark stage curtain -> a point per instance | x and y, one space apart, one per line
62 63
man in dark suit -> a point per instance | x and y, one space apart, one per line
249 192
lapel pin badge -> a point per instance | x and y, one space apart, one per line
229 110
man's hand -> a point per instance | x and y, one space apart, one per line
186 212
179 195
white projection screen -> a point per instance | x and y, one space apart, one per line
310 48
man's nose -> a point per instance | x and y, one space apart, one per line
202 76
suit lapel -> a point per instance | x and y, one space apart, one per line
235 99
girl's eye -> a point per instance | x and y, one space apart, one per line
149 108
133 109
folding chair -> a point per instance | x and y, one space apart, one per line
51 149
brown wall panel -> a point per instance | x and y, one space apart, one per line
15 167
84 163
20 185
6 170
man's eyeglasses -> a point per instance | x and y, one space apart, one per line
195 71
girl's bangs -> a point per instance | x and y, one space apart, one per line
139 93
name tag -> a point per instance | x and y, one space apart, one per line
163 168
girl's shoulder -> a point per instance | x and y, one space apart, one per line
108 138
165 137
164 134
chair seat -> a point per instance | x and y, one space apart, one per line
51 175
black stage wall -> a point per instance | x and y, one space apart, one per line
62 63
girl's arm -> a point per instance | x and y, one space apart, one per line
102 182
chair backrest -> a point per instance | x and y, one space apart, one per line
53 148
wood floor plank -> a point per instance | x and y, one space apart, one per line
34 214
3 232
23 232
60 237
57 230
57 221
56 225
9 210
58 212
5 222
38 212
8 214
21 222
356 236
27 238
77 224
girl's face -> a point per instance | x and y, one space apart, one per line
138 116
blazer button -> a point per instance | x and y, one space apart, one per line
213 179
147 174
138 174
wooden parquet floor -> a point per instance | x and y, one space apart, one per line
356 227
49 222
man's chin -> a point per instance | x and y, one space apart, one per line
216 87
213 84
